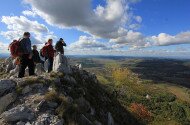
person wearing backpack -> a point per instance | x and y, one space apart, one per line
48 52
36 56
26 56
59 46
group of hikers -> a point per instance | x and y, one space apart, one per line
27 55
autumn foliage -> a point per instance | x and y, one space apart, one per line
140 111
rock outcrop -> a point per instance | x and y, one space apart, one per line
18 113
61 64
68 95
6 86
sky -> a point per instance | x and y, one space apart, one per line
152 28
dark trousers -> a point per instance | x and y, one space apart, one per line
50 63
26 62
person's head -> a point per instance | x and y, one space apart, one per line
50 41
61 39
26 35
34 47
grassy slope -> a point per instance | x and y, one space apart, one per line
169 104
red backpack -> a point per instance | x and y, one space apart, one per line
15 48
44 52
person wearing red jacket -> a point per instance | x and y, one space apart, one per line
50 54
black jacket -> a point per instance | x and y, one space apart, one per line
36 56
59 46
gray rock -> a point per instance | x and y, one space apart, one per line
40 105
9 67
20 123
14 71
18 113
84 120
48 119
6 101
61 64
26 90
39 69
97 123
70 79
6 85
110 119
83 104
52 104
46 63
8 60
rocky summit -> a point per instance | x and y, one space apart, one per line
67 96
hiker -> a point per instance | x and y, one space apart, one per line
59 46
36 57
48 53
26 56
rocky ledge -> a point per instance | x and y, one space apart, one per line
67 96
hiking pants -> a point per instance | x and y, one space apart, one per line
26 62
50 64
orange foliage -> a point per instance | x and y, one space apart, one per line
140 111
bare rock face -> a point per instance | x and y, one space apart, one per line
61 64
6 85
39 69
18 113
6 101
110 119
9 62
14 71
48 119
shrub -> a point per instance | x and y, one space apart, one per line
140 111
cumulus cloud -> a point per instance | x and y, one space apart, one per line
17 25
3 47
23 24
89 43
103 21
164 39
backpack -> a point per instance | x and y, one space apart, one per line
15 48
43 52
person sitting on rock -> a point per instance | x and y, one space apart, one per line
36 57
26 57
59 46
49 50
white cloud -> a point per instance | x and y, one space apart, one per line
3 47
29 13
23 24
103 21
88 43
18 25
164 39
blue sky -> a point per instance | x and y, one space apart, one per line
101 27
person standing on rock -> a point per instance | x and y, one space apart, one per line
26 57
59 46
49 54
36 56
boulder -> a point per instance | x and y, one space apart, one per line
6 101
39 69
61 64
15 70
9 63
6 86
19 113
46 63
